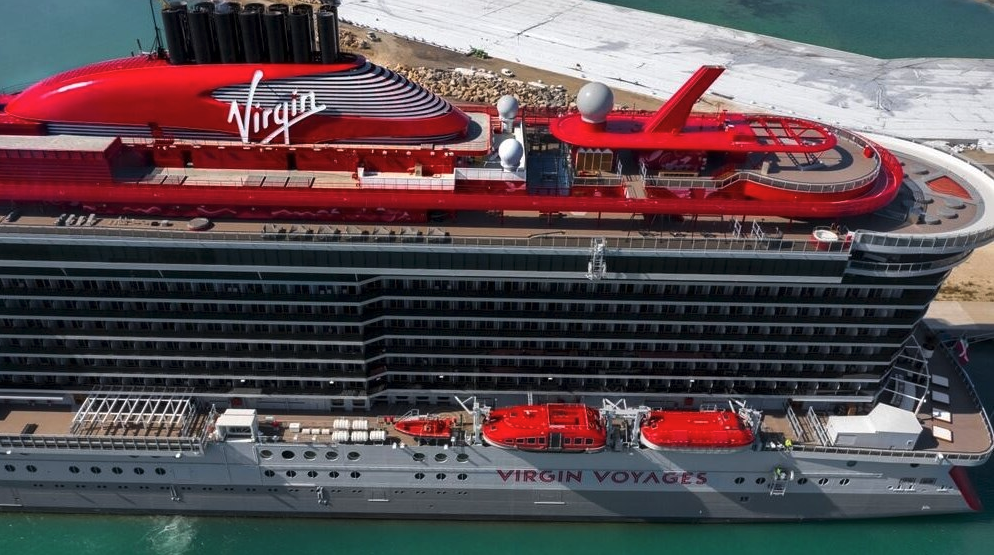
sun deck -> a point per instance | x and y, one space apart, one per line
953 421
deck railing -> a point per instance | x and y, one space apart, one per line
103 443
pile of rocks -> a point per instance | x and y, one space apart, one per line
477 85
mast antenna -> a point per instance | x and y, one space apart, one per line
157 47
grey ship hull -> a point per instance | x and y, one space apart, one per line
481 483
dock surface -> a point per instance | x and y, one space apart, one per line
916 98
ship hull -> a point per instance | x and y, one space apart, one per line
489 484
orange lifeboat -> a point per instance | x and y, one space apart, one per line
552 427
715 431
426 427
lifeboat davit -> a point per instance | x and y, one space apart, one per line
713 431
426 427
552 427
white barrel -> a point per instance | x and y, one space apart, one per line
360 436
341 424
378 436
340 436
360 424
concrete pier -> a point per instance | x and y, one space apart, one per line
927 98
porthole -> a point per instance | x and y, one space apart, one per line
462 457
441 457
31 468
353 455
9 467
418 457
739 480
312 474
462 476
844 482
266 454
288 454
419 476
822 481
139 471
160 471
291 473
760 480
117 470
440 476
310 455
914 465
331 455
269 473
355 474
95 469
802 481
850 464
74 469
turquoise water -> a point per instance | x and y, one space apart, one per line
39 37
879 28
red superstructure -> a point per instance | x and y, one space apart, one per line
346 140
148 97
717 430
552 427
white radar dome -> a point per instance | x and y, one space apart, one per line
595 101
507 107
510 152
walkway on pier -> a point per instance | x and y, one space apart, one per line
971 319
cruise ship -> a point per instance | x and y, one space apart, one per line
252 274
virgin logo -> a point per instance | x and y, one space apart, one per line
280 117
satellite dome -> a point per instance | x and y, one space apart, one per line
510 152
507 107
595 101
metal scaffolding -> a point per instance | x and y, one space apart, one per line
105 413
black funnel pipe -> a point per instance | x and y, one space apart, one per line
175 24
274 22
328 34
228 41
253 37
202 33
301 33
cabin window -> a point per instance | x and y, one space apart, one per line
440 476
844 482
269 473
333 474
739 480
441 457
531 441
331 455
594 160
419 476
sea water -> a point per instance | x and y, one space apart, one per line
40 37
